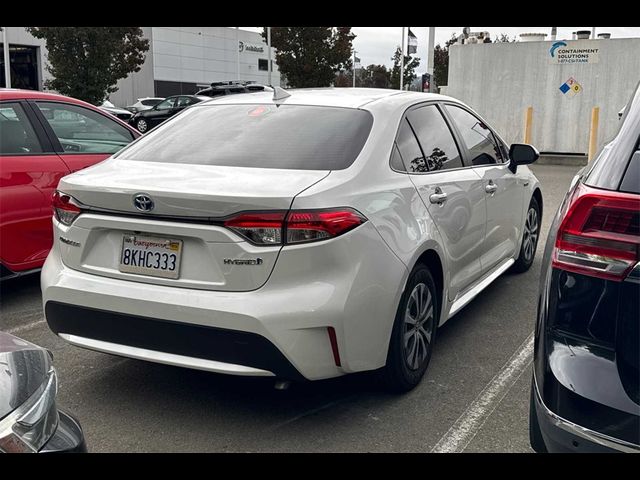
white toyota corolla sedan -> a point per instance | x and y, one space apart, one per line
304 234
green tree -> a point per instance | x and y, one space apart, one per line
373 76
441 62
409 69
376 76
87 62
311 56
343 79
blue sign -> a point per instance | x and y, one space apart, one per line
556 46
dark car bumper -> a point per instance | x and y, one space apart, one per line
68 437
563 436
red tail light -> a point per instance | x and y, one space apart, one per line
599 234
65 208
298 226
312 225
259 228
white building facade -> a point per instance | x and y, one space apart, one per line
180 60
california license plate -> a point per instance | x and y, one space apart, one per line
154 256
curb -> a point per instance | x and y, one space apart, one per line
569 160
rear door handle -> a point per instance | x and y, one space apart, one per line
490 187
438 198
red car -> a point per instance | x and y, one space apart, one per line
44 137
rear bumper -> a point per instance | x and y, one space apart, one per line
563 436
68 437
169 342
280 329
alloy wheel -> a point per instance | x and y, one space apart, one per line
142 125
530 234
418 326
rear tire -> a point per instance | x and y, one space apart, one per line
530 237
413 335
142 125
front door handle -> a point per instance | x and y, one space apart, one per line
490 188
439 197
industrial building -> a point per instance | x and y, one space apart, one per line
180 60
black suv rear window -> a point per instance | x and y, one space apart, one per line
265 136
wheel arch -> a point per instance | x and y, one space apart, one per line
537 194
431 259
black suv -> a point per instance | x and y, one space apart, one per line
585 390
145 120
218 89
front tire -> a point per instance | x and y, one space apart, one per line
530 236
413 334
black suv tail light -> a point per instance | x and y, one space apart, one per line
600 233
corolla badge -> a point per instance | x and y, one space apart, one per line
143 202
556 46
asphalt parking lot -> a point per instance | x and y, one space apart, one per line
474 397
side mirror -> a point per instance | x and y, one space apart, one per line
522 154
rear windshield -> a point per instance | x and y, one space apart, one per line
265 136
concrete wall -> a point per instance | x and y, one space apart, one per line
208 54
139 84
500 80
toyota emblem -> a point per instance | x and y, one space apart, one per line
143 202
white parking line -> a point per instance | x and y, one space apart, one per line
23 328
474 417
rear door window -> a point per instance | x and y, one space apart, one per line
166 104
17 136
409 150
436 140
263 136
185 102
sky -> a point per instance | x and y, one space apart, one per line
377 44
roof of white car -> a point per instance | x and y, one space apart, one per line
331 97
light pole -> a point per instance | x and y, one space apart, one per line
269 48
238 53
354 68
402 62
432 34
7 59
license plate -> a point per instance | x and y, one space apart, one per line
157 257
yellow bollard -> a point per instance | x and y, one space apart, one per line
593 133
528 119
